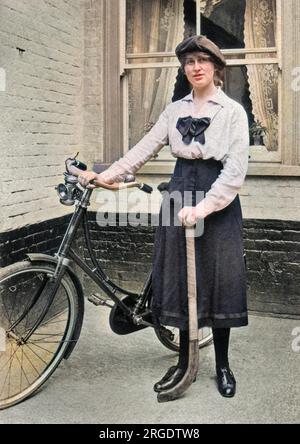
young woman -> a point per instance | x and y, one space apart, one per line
208 133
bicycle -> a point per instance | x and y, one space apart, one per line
42 302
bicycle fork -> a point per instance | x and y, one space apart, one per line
51 284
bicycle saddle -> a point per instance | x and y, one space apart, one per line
163 186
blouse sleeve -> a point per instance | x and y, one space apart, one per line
235 165
137 156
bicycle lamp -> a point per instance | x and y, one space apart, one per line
68 192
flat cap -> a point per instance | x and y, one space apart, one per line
200 43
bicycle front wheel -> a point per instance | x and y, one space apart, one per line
26 365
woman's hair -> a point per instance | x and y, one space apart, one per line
219 70
219 76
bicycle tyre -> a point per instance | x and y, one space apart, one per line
30 364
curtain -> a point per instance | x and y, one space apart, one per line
260 31
153 26
207 6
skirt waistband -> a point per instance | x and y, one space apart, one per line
193 164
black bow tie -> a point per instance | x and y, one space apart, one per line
191 128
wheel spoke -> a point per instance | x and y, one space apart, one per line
44 324
8 371
8 360
45 336
53 322
35 353
42 348
22 371
50 320
7 314
24 367
13 309
26 356
55 342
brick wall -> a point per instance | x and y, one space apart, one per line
273 265
93 79
49 63
271 198
44 237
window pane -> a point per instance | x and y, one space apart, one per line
154 26
256 88
239 23
150 90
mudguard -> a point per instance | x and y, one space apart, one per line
39 257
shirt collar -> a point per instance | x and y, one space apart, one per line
219 97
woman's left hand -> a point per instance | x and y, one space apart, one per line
188 216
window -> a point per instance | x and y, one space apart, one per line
248 33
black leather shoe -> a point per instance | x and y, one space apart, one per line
169 373
171 378
226 382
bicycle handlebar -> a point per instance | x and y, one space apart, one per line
75 167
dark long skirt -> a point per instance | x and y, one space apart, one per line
220 265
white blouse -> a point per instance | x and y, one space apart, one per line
226 139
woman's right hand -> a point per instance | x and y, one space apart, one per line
85 177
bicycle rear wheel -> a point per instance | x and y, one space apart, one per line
25 366
169 337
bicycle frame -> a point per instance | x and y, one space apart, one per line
66 254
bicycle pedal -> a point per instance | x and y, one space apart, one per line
97 300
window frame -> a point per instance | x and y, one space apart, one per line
289 138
